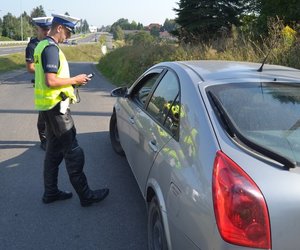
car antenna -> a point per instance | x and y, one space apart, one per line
263 63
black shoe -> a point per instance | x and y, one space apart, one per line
97 196
59 197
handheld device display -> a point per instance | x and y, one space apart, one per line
90 75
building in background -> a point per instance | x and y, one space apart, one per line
92 28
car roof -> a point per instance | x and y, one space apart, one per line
212 70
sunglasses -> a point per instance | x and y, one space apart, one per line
70 30
46 28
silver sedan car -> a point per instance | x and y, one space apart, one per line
215 150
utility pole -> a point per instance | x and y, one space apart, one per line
21 21
21 28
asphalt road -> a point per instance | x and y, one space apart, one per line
119 222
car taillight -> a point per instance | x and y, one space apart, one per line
240 208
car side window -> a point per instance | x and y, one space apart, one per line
144 87
164 104
172 111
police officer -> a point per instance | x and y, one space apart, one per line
53 94
43 25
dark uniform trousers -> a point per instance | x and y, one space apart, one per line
62 144
41 126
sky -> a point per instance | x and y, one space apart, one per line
98 12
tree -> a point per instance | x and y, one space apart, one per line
140 26
201 20
286 10
82 27
27 27
1 25
122 23
125 25
21 27
85 26
118 33
10 26
141 38
170 25
38 12
154 31
133 26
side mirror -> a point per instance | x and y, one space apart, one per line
119 92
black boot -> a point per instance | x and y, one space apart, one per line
97 196
86 195
74 158
61 195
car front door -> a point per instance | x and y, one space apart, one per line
148 125
128 109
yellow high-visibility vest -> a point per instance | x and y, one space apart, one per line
45 97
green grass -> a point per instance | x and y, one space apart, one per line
3 38
82 53
78 53
11 62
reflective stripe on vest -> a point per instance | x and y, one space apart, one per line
47 97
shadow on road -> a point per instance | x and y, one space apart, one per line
27 223
74 113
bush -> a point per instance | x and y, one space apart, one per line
122 66
4 38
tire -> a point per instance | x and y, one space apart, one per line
114 135
156 232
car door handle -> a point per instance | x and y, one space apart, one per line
131 120
152 145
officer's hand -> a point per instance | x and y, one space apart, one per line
81 79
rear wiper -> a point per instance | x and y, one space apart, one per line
233 132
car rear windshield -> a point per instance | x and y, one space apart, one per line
267 114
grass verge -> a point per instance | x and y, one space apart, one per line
12 62
78 53
83 52
123 65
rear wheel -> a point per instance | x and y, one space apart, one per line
156 233
114 135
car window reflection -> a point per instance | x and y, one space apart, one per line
143 89
164 104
